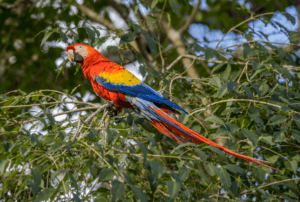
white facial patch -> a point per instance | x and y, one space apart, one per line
81 50
70 55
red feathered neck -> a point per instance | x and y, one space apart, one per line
93 58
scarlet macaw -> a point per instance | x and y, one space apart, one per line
114 83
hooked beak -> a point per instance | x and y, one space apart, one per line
77 58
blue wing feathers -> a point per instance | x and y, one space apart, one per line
141 90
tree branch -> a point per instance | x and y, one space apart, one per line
289 67
191 17
240 100
96 17
245 21
122 11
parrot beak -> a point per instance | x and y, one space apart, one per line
77 58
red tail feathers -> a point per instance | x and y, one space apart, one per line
175 131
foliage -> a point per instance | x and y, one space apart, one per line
49 151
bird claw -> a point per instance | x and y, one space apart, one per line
113 111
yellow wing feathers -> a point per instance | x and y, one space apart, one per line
117 76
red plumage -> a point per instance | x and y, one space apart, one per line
114 83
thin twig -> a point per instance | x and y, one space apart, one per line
240 100
199 58
245 21
245 69
254 41
191 17
269 184
49 103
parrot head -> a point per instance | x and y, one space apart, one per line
79 52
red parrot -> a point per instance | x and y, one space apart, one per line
114 83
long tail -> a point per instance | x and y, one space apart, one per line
172 128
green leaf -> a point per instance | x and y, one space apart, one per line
73 181
250 136
294 36
224 75
197 129
128 37
264 88
139 193
183 145
297 120
203 176
140 58
248 91
215 81
267 139
111 49
37 176
96 31
153 4
24 151
152 45
144 150
222 91
117 190
41 120
279 136
173 188
76 198
296 137
218 66
291 165
45 194
273 159
210 168
2 165
33 186
215 119
183 118
61 69
63 36
201 154
157 169
47 35
111 136
277 119
175 6
210 53
100 148
183 173
235 169
51 119
153 183
257 119
91 34
56 146
106 174
218 151
224 177
260 174
290 17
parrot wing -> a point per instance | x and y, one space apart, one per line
123 81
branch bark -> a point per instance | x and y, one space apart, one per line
96 17
191 17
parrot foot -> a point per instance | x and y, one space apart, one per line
101 108
112 111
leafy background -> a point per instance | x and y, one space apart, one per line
232 64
